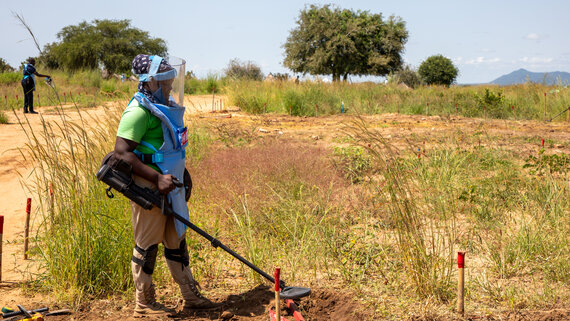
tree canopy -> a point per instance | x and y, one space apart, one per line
438 70
111 44
4 66
331 41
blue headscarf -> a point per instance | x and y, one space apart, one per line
141 65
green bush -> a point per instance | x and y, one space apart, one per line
10 78
3 117
438 70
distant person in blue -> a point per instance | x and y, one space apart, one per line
29 85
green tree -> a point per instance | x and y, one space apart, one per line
4 66
331 41
243 70
438 70
111 44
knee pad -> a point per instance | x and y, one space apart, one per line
178 255
149 258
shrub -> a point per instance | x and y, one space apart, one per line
438 70
243 70
3 117
407 76
9 78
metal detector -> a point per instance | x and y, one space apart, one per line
118 177
560 113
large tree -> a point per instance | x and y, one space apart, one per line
111 44
331 41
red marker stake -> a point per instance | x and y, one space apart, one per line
277 292
27 227
479 141
1 232
461 283
427 109
543 142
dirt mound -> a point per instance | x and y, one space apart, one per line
256 304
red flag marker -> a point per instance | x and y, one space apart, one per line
543 142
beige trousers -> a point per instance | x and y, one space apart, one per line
152 227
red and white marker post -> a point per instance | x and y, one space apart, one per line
461 282
27 228
277 298
1 232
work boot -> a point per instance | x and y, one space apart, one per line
32 111
193 299
145 295
25 110
147 306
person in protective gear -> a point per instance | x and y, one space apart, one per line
29 85
152 138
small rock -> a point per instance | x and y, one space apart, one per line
226 315
316 137
261 130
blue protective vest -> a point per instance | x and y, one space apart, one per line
170 156
27 74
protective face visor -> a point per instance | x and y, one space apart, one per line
173 78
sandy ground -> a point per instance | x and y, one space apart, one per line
15 169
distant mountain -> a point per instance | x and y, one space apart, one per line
522 76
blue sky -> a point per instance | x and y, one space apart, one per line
485 39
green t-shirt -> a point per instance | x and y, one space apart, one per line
138 124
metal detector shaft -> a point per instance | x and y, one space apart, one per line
560 113
216 243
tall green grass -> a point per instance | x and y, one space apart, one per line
83 89
310 99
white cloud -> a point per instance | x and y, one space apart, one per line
535 37
536 60
482 60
